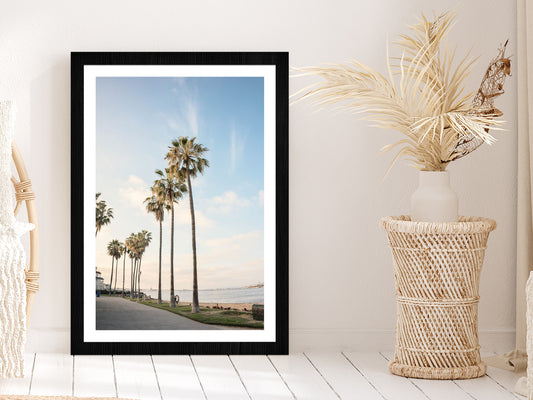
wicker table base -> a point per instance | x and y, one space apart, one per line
474 371
437 267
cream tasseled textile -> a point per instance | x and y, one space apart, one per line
524 385
12 260
529 339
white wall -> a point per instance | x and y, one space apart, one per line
341 288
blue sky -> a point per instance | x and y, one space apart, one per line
136 120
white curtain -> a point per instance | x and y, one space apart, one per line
517 359
524 62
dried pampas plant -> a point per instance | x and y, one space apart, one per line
423 96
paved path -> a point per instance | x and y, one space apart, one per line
120 314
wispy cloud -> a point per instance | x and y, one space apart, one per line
175 123
235 242
237 147
191 115
227 202
185 122
182 216
260 198
180 80
135 191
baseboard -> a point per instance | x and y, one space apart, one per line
498 341
49 340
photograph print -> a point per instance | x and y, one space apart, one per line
180 162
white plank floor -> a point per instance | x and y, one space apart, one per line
311 375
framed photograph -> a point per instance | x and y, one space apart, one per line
179 206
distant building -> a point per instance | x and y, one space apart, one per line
99 281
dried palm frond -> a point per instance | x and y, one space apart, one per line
423 95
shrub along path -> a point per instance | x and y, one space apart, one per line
228 318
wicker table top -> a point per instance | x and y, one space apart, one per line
465 225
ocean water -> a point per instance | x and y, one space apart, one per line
251 295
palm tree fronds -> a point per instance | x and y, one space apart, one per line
423 97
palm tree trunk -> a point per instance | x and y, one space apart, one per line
131 280
159 300
172 299
116 275
139 279
135 271
111 280
195 303
123 273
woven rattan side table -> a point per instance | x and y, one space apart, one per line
437 268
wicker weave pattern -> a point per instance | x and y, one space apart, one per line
437 268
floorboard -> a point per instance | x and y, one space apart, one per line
343 376
303 379
504 378
375 368
136 378
436 389
261 378
485 388
94 376
177 378
219 378
52 375
309 376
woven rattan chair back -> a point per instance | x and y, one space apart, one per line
24 194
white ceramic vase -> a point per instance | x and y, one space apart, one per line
434 200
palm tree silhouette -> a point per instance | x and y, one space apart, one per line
119 254
158 206
124 251
143 239
104 214
113 250
170 188
186 157
130 245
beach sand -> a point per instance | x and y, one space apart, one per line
217 306
233 306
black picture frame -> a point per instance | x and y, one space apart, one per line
79 60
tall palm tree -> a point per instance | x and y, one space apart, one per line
130 245
124 251
112 250
104 214
186 157
170 188
158 206
118 255
143 238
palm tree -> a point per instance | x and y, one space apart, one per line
124 250
104 214
113 251
130 245
157 206
186 157
144 238
170 188
119 254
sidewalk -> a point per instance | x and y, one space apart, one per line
116 313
